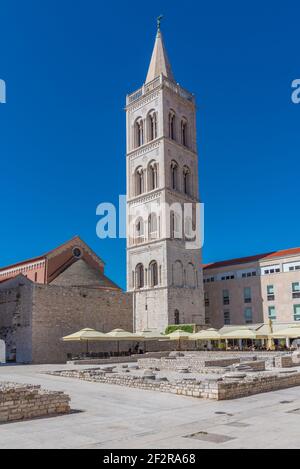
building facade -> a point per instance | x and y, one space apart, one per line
163 264
253 290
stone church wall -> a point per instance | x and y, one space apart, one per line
15 321
34 318
60 311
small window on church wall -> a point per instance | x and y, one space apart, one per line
190 276
77 252
175 225
172 225
140 282
153 176
186 180
153 226
184 132
152 126
176 317
172 124
153 274
188 227
174 175
139 181
139 132
139 231
178 274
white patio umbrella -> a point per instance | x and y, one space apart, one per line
208 334
179 335
119 335
240 334
292 332
148 335
84 335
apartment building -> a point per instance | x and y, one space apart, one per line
253 289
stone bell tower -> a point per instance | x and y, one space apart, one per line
163 248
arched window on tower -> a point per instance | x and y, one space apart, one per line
190 224
190 276
153 269
174 175
188 227
139 231
139 132
152 176
139 181
178 274
172 125
152 125
153 226
187 181
175 225
184 130
139 274
172 225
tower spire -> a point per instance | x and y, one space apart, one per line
159 61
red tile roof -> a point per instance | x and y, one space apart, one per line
249 259
40 258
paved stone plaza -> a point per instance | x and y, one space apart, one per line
120 417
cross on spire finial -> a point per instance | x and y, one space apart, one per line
159 22
159 64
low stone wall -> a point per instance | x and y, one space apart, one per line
209 362
206 389
194 364
250 386
286 361
22 402
223 362
107 361
255 365
218 389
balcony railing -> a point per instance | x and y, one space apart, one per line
156 83
153 235
139 239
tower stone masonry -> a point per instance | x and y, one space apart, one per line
163 266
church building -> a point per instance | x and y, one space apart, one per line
54 295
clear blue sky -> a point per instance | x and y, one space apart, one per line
68 66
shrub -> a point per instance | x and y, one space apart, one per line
183 327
